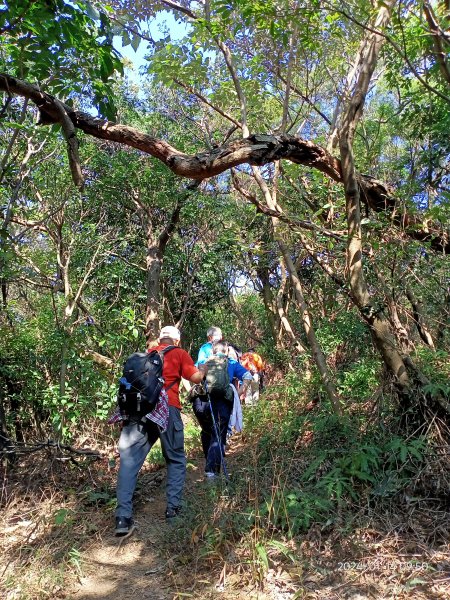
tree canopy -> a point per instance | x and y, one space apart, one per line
279 169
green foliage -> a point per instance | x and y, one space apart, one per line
323 462
345 330
435 365
337 476
63 516
65 44
99 497
360 379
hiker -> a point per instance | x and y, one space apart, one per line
214 410
140 433
234 353
214 334
255 364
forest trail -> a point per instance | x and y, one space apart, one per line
150 564
141 566
61 545
133 568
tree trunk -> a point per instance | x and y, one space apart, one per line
268 300
286 325
318 356
372 314
156 249
13 391
152 315
282 314
400 333
63 369
444 319
418 318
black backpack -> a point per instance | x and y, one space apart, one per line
141 383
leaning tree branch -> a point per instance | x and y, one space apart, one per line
439 41
399 51
255 150
279 214
205 100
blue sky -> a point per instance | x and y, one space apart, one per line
163 22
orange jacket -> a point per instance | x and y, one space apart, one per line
252 362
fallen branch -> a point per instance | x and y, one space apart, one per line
12 447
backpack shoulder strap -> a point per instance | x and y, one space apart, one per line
167 349
163 352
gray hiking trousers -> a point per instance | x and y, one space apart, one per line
136 441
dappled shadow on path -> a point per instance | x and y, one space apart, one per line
131 570
141 566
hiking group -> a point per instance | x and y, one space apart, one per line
149 408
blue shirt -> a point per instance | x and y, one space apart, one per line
236 370
204 353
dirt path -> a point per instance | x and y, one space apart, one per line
58 523
141 566
134 568
130 568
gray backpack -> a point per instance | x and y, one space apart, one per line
217 378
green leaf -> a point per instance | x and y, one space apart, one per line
262 553
403 453
91 11
61 516
126 40
135 41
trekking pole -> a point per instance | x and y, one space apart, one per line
219 439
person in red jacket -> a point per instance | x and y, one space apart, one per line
137 438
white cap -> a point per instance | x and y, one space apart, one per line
170 332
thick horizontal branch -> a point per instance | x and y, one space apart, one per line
254 150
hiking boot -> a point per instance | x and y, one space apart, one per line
123 525
172 513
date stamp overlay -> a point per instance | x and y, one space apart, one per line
379 564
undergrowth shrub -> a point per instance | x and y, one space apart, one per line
306 466
332 464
